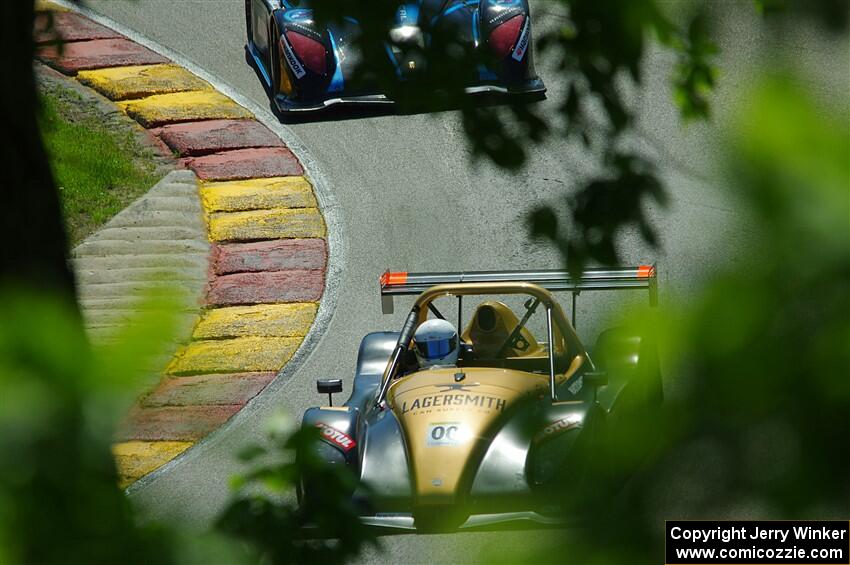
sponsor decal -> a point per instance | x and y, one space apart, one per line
464 401
522 44
557 428
336 437
444 433
294 63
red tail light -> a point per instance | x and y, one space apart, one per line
504 37
311 52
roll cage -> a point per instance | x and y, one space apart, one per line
537 284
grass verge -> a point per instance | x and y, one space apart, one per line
99 167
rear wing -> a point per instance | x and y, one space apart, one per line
641 277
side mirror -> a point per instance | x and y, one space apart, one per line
329 387
595 379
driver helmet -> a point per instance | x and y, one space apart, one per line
436 343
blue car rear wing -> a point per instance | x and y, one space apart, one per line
641 277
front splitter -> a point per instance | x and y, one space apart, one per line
533 87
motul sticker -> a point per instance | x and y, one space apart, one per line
294 63
336 437
556 428
522 44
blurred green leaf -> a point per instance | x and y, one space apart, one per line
57 478
322 527
251 452
755 361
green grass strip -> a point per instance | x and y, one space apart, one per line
100 167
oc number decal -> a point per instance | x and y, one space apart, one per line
444 433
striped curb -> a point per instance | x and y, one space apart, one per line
128 83
139 458
242 164
97 53
202 138
176 107
235 196
210 389
71 28
269 251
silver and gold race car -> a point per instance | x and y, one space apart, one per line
307 66
483 441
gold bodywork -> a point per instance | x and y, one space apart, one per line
430 403
447 418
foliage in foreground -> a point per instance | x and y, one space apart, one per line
752 432
59 501
264 512
759 408
60 400
59 496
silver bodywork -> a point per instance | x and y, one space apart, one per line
509 477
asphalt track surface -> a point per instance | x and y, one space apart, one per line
410 198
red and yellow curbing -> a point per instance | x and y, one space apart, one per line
269 257
129 83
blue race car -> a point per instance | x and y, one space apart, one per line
307 67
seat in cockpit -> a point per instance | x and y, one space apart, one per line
490 328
